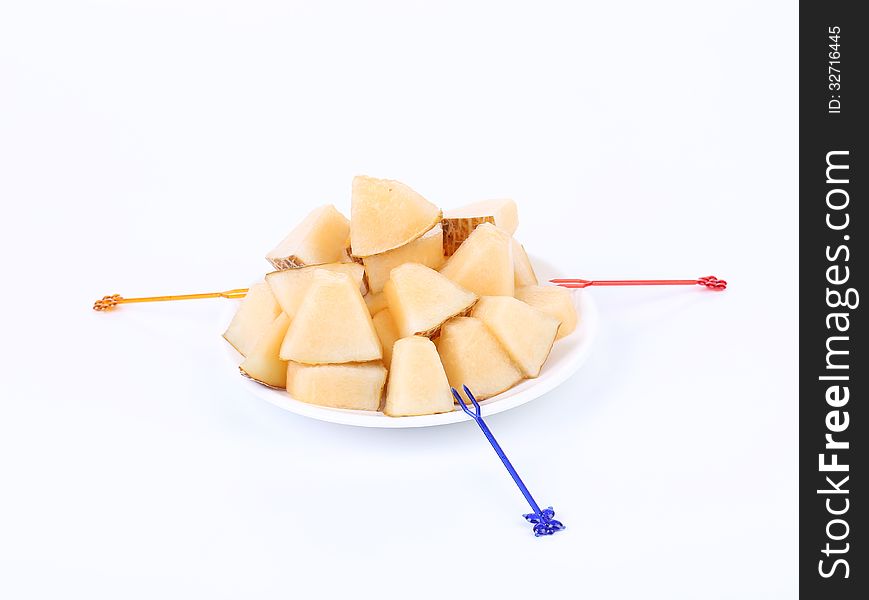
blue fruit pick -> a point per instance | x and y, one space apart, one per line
544 523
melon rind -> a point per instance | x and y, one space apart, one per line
289 262
435 331
246 375
457 230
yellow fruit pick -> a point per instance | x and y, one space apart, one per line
109 302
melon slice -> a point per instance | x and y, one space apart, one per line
472 356
357 386
255 313
459 223
421 299
554 301
332 325
320 238
523 272
386 214
262 363
375 302
427 250
417 382
289 287
527 334
484 263
384 324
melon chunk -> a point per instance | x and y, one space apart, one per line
375 302
554 301
472 356
421 299
255 313
320 238
523 272
332 325
459 223
262 363
484 263
384 324
427 250
417 382
527 334
289 287
386 214
357 386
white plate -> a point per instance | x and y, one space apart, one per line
567 356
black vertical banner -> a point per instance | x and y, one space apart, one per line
834 371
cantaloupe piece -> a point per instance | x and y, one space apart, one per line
421 299
527 334
384 324
320 238
459 223
417 382
553 300
523 272
332 325
262 363
255 313
472 356
289 287
386 214
427 250
357 386
484 263
375 302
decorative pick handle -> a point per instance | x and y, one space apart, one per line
543 520
710 281
109 302
713 283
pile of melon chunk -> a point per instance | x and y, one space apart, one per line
389 309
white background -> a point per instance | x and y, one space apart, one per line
163 147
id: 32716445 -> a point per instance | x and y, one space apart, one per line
834 73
